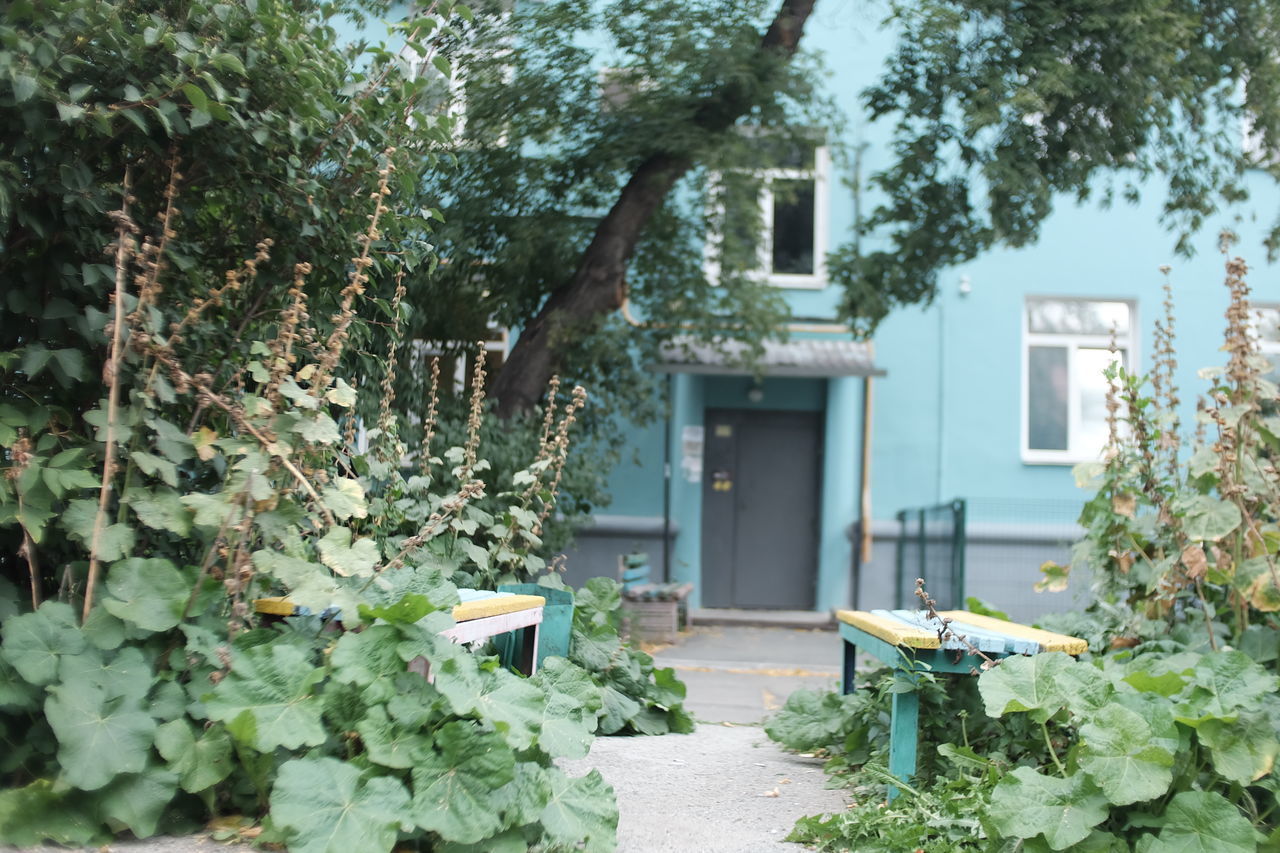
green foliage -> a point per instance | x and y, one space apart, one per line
1000 110
1140 750
1167 738
190 452
637 697
941 819
547 140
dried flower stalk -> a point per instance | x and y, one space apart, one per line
125 244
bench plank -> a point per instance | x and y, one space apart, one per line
893 631
1047 640
986 641
484 627
495 604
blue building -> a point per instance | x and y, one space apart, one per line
753 486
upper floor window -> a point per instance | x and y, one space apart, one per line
1066 348
774 219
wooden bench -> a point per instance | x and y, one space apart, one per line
911 642
483 614
480 615
653 611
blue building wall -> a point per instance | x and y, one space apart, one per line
946 421
947 418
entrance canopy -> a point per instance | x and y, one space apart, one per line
800 358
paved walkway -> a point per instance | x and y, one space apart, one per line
726 788
721 789
744 674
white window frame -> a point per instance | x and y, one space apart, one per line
1073 343
820 174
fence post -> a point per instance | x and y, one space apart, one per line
922 534
899 559
959 540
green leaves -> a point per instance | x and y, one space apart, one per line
1201 822
199 763
324 806
34 642
37 812
1026 804
115 540
1027 683
1208 519
344 497
339 553
1128 751
810 721
138 800
268 699
149 593
1221 684
99 735
581 812
160 509
452 785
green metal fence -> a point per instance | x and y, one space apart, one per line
930 545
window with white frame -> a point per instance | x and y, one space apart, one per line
774 219
1066 349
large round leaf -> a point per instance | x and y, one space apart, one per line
581 814
34 642
149 593
453 787
326 807
1026 804
200 763
99 735
268 698
1128 751
1201 822
1026 683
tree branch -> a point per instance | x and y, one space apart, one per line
597 286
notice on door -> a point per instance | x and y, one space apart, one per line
691 442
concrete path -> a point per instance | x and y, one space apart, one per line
719 790
723 788
743 674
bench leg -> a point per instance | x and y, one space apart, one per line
847 673
903 737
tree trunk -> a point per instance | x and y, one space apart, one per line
597 286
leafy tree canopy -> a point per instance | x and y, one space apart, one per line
561 102
1000 108
575 112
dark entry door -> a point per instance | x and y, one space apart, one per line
760 508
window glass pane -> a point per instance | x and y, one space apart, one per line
1090 364
793 226
1077 317
1047 398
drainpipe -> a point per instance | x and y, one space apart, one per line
666 484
